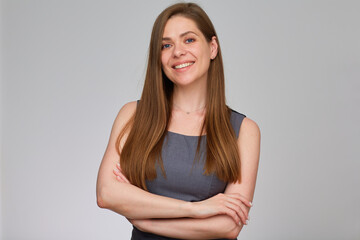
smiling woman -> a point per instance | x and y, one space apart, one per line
185 53
180 163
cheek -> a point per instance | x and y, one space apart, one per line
205 58
204 52
164 64
164 59
207 53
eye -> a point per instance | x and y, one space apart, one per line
166 45
190 40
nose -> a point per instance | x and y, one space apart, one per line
179 50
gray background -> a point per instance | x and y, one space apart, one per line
68 67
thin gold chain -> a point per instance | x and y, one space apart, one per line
188 112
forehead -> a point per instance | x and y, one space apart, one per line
177 25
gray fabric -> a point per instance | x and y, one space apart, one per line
184 177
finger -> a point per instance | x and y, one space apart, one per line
231 213
241 198
238 195
245 210
119 179
123 177
241 206
116 172
118 166
120 170
238 206
238 211
118 176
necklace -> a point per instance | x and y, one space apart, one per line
188 112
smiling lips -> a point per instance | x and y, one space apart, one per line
183 65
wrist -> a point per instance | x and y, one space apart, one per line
189 209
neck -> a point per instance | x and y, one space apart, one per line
189 98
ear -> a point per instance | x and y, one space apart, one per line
213 48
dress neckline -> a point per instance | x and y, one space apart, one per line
183 135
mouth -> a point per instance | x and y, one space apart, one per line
183 65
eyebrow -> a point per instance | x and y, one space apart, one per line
181 35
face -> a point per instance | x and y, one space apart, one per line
186 54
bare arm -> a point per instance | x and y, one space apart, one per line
249 151
126 199
135 203
220 226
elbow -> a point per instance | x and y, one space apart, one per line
100 202
234 233
101 199
105 199
229 229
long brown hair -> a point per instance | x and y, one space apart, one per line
148 126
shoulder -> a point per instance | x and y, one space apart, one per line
249 126
246 125
128 109
249 132
124 115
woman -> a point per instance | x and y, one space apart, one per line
188 163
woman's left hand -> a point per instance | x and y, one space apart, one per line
119 175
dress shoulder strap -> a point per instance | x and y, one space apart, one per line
236 119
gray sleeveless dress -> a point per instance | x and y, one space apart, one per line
184 178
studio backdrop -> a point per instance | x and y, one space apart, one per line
68 66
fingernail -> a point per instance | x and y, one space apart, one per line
118 164
247 222
251 204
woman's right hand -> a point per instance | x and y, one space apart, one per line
232 204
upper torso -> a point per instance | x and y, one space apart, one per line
185 178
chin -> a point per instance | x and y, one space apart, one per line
183 81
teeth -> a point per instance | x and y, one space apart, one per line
183 65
